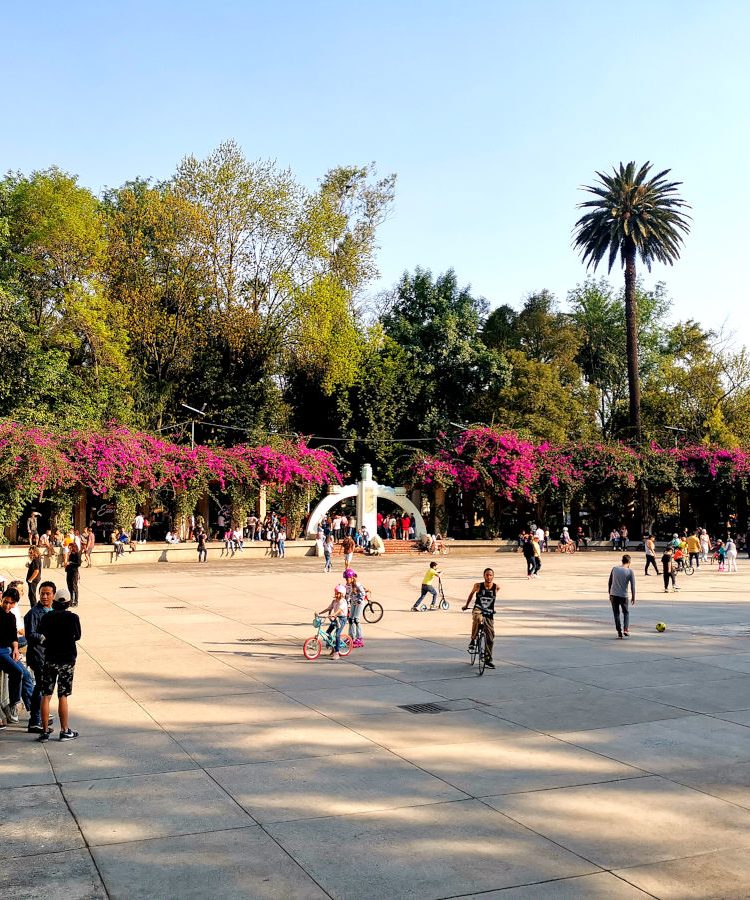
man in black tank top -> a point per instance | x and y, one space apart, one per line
484 608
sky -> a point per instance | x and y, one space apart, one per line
491 113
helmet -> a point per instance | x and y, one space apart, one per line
350 573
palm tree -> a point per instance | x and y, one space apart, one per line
632 215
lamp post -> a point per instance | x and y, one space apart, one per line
201 413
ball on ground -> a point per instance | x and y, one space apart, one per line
660 626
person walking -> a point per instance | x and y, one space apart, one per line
201 539
537 554
705 541
693 547
347 545
73 572
620 579
731 555
33 573
328 551
527 547
650 546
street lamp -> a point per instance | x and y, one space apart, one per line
201 413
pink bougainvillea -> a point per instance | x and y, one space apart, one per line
502 463
35 460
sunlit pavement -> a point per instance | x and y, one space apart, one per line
214 760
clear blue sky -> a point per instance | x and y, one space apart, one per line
492 113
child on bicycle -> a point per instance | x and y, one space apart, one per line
484 610
356 595
337 610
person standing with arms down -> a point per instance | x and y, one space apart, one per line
619 579
73 572
669 569
484 609
60 629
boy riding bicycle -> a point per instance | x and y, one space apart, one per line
484 610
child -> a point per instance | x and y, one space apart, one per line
337 610
668 570
721 554
356 596
427 587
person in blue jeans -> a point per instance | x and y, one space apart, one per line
328 551
427 587
35 652
20 684
337 610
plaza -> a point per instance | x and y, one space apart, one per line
215 760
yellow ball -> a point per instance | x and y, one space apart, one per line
660 626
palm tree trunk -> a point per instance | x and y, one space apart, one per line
631 343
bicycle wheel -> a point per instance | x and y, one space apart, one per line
444 604
481 650
312 648
688 569
473 653
346 645
372 612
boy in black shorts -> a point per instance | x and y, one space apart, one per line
484 608
59 629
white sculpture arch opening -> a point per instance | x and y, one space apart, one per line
366 491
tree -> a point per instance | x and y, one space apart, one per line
439 326
633 216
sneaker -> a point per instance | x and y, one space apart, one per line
471 647
44 736
666 591
626 632
68 735
619 636
489 664
35 728
335 656
10 714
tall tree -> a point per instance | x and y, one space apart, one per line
633 216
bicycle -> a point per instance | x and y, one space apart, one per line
684 565
313 646
372 611
478 649
570 547
442 603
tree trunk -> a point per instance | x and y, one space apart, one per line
631 342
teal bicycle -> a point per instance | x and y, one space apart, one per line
313 646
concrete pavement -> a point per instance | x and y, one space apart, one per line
215 760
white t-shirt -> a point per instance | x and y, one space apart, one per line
139 521
340 607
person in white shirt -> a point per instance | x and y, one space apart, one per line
540 537
337 610
172 538
731 549
138 529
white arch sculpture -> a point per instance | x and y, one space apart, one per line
366 491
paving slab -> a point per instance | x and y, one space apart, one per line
226 709
584 708
35 820
530 763
293 739
721 875
734 662
362 701
584 887
506 683
335 785
648 673
724 695
666 747
428 851
66 875
629 823
729 782
134 808
403 729
233 864
115 753
22 760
